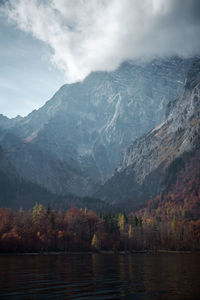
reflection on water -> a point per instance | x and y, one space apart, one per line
101 276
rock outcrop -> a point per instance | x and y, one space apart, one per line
152 160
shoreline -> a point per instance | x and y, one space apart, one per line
46 253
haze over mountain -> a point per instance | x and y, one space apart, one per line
96 35
17 192
75 141
45 44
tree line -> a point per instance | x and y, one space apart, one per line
45 229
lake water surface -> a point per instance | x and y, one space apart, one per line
101 276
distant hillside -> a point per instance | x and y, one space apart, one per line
16 192
182 199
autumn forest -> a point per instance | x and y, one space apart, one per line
43 229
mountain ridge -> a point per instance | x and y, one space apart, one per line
143 171
82 132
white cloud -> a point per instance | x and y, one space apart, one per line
90 35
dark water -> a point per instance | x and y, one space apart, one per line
101 276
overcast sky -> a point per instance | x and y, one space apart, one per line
46 43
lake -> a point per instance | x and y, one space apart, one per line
139 276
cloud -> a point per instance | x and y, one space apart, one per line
90 35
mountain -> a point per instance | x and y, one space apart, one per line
16 192
73 143
154 162
7 123
181 200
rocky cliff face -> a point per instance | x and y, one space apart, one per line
74 142
146 165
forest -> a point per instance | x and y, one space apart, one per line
170 221
77 230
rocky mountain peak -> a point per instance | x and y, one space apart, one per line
74 142
143 171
